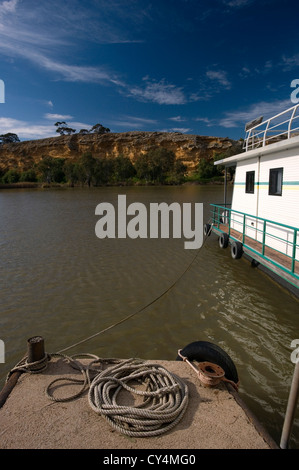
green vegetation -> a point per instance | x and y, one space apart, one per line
63 129
208 172
9 138
157 166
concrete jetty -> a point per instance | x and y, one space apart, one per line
215 417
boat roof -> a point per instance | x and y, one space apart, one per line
277 133
257 152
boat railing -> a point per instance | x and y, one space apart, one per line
276 242
279 127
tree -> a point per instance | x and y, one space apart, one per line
29 176
2 173
9 138
206 168
72 171
123 168
177 175
51 169
103 171
221 156
62 128
87 167
99 129
11 176
155 165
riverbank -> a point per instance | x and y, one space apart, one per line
31 185
20 185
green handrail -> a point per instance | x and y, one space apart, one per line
255 217
217 209
294 250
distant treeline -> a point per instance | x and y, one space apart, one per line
157 166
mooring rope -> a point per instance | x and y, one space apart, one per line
165 395
30 367
164 403
146 306
86 370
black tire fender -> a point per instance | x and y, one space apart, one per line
204 351
223 240
236 249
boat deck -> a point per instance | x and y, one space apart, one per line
215 418
271 258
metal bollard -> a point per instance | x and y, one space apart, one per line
35 349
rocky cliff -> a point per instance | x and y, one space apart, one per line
187 148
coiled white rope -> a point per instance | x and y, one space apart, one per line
164 403
165 395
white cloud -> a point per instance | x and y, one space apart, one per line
67 72
74 73
241 117
220 77
56 117
203 95
205 120
80 125
290 62
177 119
158 92
142 120
183 130
237 3
44 44
8 6
26 130
48 44
30 130
132 122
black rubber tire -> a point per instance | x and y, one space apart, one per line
236 249
207 230
223 240
202 351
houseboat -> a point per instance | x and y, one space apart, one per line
262 221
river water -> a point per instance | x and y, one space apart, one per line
60 281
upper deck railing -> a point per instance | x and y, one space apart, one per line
279 127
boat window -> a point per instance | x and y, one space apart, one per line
249 188
275 181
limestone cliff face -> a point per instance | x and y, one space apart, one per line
187 148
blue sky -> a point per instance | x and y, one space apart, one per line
191 66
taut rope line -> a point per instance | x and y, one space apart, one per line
143 308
